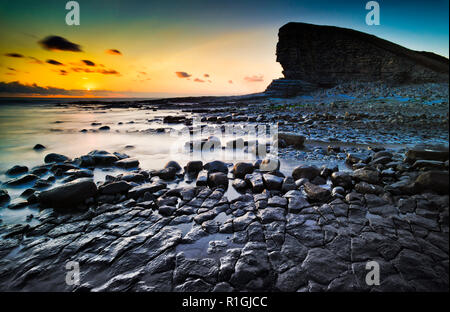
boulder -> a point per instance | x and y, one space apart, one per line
433 181
218 179
194 167
216 166
273 182
305 171
241 169
115 187
173 164
292 139
17 170
369 176
68 195
315 192
127 163
342 179
53 157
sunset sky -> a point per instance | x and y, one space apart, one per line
175 48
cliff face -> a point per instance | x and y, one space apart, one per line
325 56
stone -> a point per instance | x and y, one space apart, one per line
269 164
241 169
315 192
173 164
139 190
342 179
366 188
16 170
4 196
115 187
38 147
304 171
272 182
218 179
433 181
103 158
256 181
53 157
292 139
127 163
194 167
322 266
426 154
288 184
366 175
271 214
22 180
216 166
239 184
68 195
167 174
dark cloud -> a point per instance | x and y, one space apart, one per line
15 88
59 44
182 74
198 80
18 55
206 75
53 62
113 52
254 78
88 63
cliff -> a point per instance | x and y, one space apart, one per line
314 56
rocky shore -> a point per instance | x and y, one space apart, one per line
312 230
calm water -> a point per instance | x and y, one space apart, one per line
58 129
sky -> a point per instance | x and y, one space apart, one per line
177 48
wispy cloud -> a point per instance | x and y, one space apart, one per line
17 88
113 52
56 43
254 78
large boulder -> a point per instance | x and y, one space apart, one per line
69 195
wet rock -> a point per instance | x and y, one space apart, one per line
322 266
315 192
342 179
304 171
241 169
18 203
174 119
288 184
406 205
218 179
167 174
104 128
272 182
103 158
366 175
242 222
194 167
133 177
256 181
216 166
115 187
79 173
415 154
297 202
239 184
271 214
127 163
319 181
68 195
202 178
17 170
277 201
22 180
173 164
167 210
366 188
4 196
338 190
293 139
269 164
38 147
434 181
140 190
428 164
53 157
